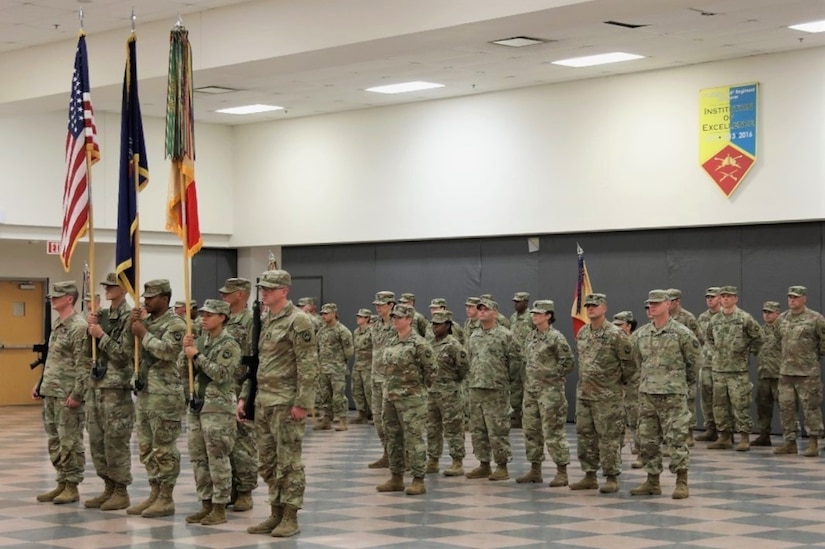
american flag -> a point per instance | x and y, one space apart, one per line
80 139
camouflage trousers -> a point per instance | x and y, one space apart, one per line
767 395
158 428
706 388
280 445
362 390
517 391
631 405
244 458
600 432
663 419
110 418
490 424
211 438
445 420
691 403
732 402
807 391
332 395
64 438
378 410
405 425
545 415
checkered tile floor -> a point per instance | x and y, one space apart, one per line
754 500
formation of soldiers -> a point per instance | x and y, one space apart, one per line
421 383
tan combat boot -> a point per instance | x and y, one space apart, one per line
216 516
764 439
68 495
744 442
456 469
361 419
289 524
270 523
341 424
482 471
649 487
610 486
638 464
589 482
138 508
394 484
51 494
417 487
206 508
725 442
788 447
561 477
710 434
811 451
381 463
533 475
163 506
681 491
500 473
119 500
322 424
243 502
108 490
432 465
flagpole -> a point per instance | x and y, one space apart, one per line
136 260
177 166
91 241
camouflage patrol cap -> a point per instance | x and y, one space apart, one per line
623 317
771 306
489 303
544 306
179 304
797 291
728 290
472 301
657 296
674 293
402 311
59 289
364 312
521 296
487 296
595 299
110 280
329 308
438 302
713 291
407 297
304 301
88 298
235 285
384 297
216 306
155 287
440 317
275 279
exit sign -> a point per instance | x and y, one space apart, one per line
53 247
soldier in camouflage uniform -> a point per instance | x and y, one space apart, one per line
502 320
472 322
440 304
215 356
409 373
495 361
734 335
160 400
287 379
110 414
606 366
308 305
802 336
382 335
445 410
687 318
521 324
361 368
195 320
548 361
668 354
335 348
714 303
63 390
420 323
627 324
768 361
244 456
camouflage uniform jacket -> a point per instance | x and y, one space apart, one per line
521 326
503 321
803 342
288 354
495 359
115 349
214 368
317 323
770 354
161 347
451 363
409 367
239 327
733 338
667 358
686 318
548 359
67 368
420 324
704 323
362 344
470 326
382 336
335 348
606 363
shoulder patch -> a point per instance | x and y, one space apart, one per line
227 353
306 335
695 344
178 336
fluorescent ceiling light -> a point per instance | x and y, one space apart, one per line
405 87
518 41
601 59
812 26
250 109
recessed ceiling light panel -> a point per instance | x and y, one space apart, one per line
601 59
519 41
811 26
214 90
405 87
250 109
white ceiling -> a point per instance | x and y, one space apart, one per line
318 81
